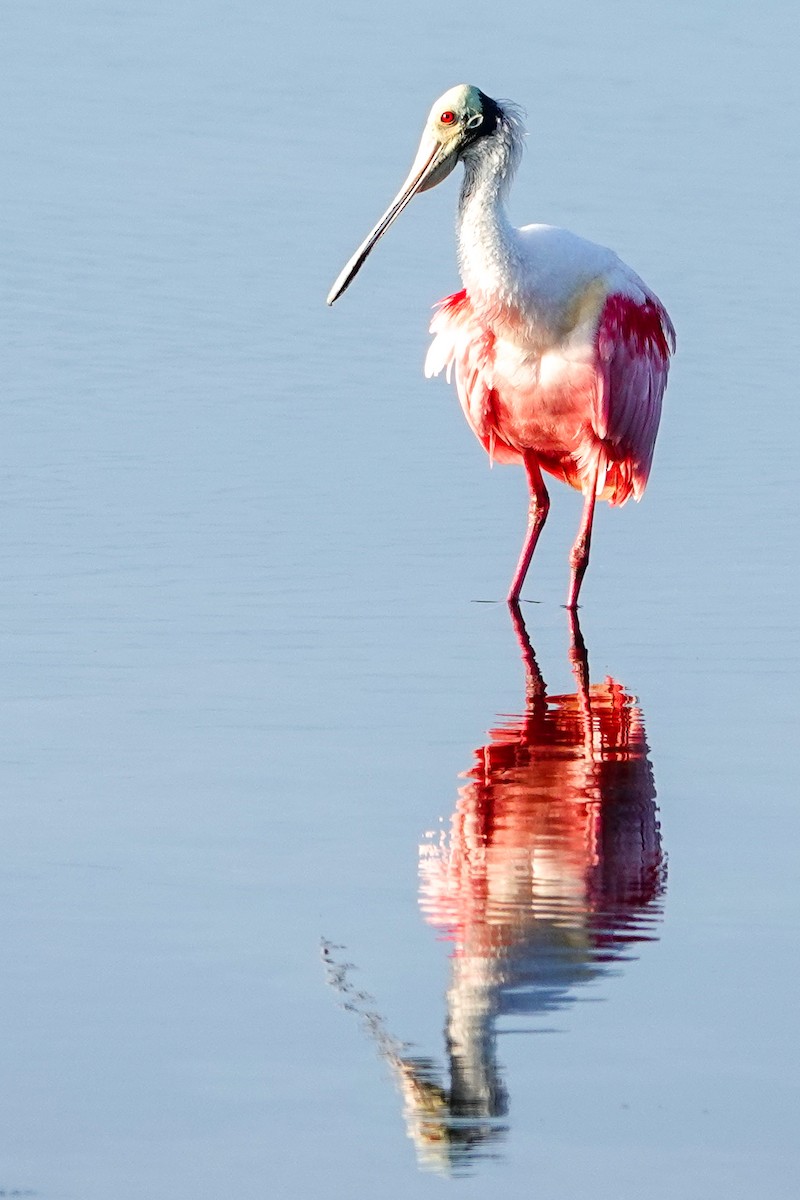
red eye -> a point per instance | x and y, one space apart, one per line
448 117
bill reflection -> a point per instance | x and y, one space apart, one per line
551 873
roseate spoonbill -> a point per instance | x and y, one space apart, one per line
560 351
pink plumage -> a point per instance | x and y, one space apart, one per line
606 410
560 352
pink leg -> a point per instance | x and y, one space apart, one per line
579 555
538 509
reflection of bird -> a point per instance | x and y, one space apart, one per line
552 871
560 350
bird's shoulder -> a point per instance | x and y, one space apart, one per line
576 277
565 251
564 262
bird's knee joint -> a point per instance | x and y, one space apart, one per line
538 510
579 554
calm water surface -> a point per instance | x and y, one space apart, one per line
319 877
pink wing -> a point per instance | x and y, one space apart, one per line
464 342
634 343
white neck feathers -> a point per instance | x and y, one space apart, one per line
487 242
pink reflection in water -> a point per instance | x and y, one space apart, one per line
552 871
554 835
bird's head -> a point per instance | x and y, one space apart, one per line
458 119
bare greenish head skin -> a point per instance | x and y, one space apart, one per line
458 119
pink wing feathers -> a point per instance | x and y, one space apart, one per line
467 343
634 342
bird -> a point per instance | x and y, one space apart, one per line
560 351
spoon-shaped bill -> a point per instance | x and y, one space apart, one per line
432 163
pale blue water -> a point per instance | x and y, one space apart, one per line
243 668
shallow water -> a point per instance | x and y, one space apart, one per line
256 726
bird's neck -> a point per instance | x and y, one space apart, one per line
487 242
